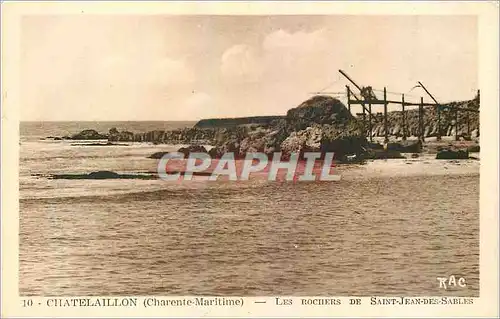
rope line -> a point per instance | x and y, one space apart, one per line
331 84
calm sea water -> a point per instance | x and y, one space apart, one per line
387 228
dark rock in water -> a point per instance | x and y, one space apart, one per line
414 155
192 149
473 149
89 135
375 146
57 138
320 110
452 154
406 146
103 175
184 150
116 136
383 154
98 144
157 155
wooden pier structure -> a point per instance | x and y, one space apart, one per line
368 100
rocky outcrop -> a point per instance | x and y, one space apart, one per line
342 140
308 140
116 136
243 140
262 140
89 135
320 124
317 110
178 136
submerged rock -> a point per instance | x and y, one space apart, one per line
102 175
98 144
406 146
184 150
452 154
157 155
383 154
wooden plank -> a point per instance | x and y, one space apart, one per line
348 97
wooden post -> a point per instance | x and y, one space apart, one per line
370 120
438 111
386 133
403 115
348 98
456 123
364 120
421 119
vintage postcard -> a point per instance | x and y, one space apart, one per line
250 159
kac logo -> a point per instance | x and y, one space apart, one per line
445 282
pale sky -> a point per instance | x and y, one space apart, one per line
190 67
